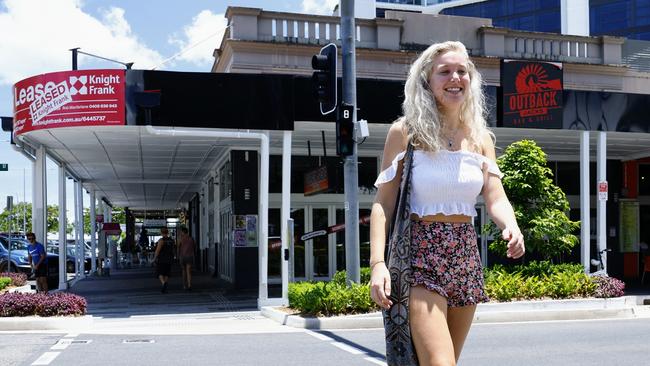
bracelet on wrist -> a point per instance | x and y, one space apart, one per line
374 264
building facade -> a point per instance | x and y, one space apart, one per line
242 149
282 43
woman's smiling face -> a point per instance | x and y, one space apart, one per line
449 80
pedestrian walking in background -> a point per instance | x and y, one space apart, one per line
163 258
38 261
453 161
185 254
143 244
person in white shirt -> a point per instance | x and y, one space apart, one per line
453 162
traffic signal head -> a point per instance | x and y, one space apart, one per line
345 131
324 79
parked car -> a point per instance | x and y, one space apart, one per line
20 261
70 257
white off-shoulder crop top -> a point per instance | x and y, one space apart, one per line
445 182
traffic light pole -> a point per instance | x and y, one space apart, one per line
350 167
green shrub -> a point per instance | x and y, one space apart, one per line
297 292
334 297
17 279
535 269
564 285
540 269
4 282
503 286
340 276
538 280
534 288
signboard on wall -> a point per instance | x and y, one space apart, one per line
154 223
316 181
629 226
244 232
532 94
69 98
111 228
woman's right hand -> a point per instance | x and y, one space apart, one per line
380 285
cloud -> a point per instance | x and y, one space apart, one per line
43 31
321 7
200 38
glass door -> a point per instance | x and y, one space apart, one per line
297 251
274 247
320 244
319 257
364 239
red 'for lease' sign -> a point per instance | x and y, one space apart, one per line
69 98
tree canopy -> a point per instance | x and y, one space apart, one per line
24 209
540 206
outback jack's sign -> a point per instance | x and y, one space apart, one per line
69 98
532 94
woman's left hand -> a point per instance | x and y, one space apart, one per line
515 240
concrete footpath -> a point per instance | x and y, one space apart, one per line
130 302
516 311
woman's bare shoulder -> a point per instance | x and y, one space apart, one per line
487 144
397 135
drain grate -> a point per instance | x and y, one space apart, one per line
81 341
138 341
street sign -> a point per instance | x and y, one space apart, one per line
602 190
4 167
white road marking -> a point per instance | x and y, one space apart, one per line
63 343
46 358
317 335
377 361
347 348
71 335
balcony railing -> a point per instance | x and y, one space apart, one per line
252 24
506 43
258 25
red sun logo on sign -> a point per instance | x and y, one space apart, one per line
533 78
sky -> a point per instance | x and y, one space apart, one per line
172 35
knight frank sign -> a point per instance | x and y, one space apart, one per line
532 94
69 98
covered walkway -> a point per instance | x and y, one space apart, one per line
134 292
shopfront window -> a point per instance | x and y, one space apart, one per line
303 164
225 181
211 190
364 240
567 176
298 252
275 243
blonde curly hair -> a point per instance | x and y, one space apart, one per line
422 119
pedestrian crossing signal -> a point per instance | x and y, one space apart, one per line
345 131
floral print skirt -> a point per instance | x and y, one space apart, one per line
445 259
